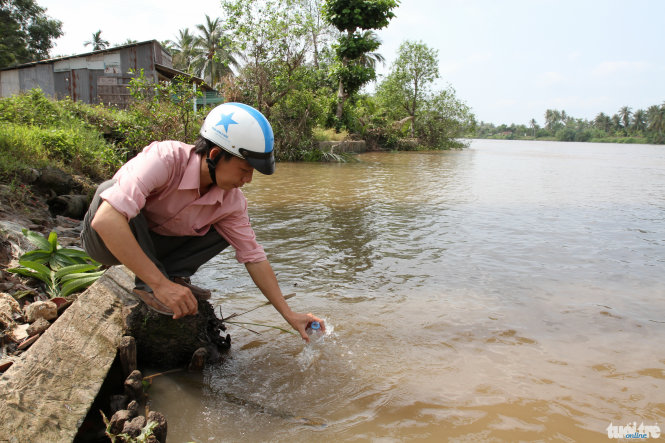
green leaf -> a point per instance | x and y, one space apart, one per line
73 269
77 256
28 273
37 240
53 241
69 252
63 260
44 273
77 285
69 277
37 255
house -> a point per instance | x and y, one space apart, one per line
97 77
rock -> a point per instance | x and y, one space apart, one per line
9 309
134 386
198 360
67 222
40 325
133 407
133 428
73 206
118 421
41 309
160 430
57 181
20 332
25 344
12 233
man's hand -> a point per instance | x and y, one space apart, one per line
113 228
264 277
299 322
178 298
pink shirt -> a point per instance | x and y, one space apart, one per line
163 182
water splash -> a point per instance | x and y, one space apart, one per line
313 351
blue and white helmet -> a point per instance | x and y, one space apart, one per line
244 132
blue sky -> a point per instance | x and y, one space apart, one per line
509 60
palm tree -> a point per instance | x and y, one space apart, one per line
370 59
184 51
657 122
534 125
216 56
624 115
97 42
639 121
616 123
552 119
603 122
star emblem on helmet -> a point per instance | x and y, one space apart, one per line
226 121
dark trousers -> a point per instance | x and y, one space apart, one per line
174 256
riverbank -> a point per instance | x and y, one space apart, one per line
620 140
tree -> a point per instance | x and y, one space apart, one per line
319 29
97 42
26 32
534 125
350 17
273 37
657 122
445 118
639 121
184 51
370 59
553 120
616 123
603 122
625 114
214 56
408 83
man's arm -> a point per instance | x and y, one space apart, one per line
265 279
113 228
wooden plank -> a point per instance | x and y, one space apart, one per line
45 396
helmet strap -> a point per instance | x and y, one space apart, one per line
212 165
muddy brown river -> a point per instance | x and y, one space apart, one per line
512 291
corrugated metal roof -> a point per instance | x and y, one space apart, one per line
65 57
167 71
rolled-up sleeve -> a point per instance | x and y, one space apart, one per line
149 170
237 230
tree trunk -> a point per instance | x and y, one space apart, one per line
341 97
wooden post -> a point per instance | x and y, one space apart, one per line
127 354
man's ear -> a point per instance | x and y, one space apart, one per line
214 152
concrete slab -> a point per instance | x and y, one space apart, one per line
45 396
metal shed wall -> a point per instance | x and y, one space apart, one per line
97 77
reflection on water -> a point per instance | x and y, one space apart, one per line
510 291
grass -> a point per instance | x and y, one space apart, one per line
36 132
329 134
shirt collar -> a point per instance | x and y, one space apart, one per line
191 179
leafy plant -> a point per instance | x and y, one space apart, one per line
63 270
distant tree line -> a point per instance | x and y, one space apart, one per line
641 126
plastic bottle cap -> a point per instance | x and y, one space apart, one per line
315 325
